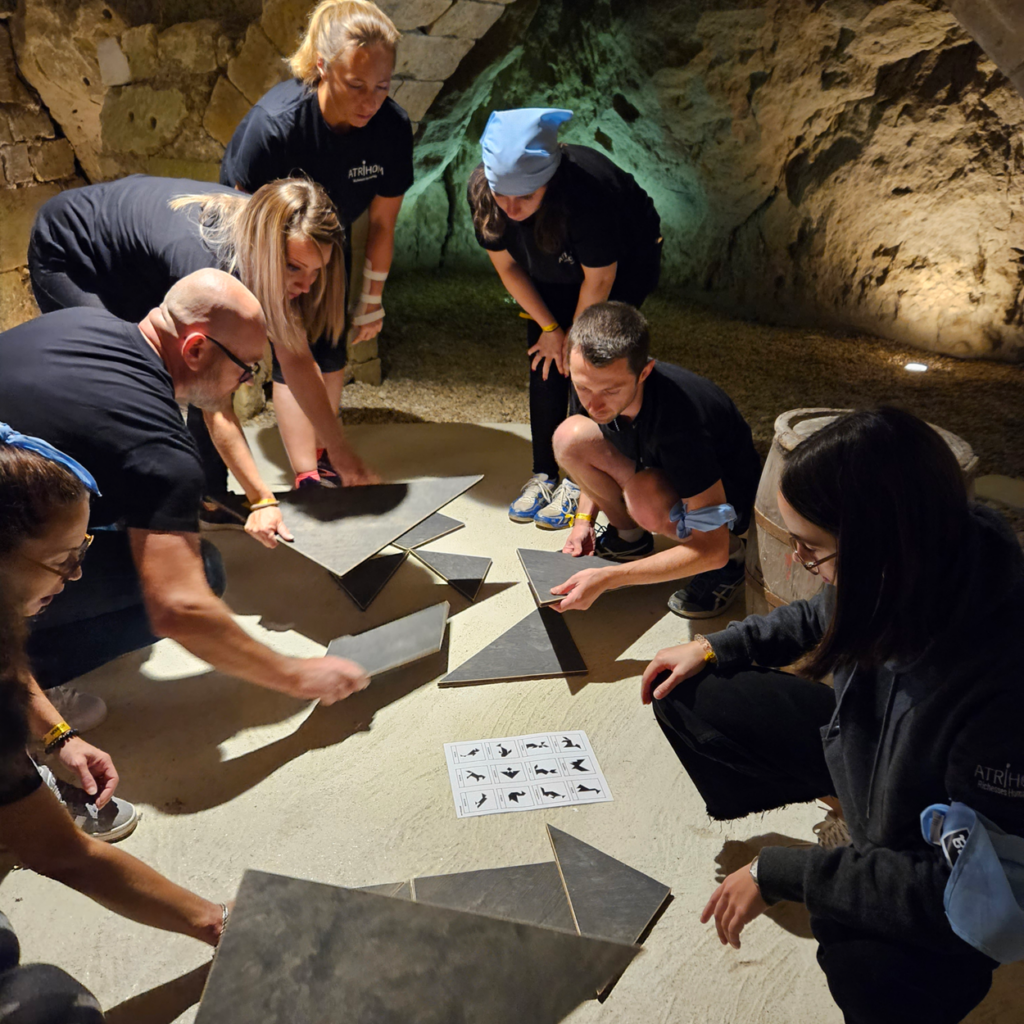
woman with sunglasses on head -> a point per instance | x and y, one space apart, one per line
921 623
44 510
120 245
565 228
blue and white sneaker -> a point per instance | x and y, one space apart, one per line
557 514
532 498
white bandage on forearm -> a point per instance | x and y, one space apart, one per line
369 274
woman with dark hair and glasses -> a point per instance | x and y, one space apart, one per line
921 624
565 228
44 510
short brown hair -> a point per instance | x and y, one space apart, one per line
608 331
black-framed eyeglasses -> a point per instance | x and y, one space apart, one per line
811 567
70 565
249 371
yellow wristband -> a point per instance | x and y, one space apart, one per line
585 516
264 503
55 733
550 328
709 652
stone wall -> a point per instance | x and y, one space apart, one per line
158 87
855 163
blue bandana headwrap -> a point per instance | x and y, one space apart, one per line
521 149
10 437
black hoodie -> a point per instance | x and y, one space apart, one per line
949 726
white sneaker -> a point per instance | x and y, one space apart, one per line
115 821
558 513
536 493
832 832
82 711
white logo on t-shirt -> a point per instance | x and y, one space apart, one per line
365 172
566 257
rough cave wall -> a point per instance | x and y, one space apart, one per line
158 87
845 162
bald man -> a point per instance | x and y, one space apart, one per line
109 394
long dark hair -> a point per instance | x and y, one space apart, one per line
551 222
33 492
889 489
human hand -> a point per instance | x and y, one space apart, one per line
266 525
94 768
680 662
352 471
364 332
550 348
581 540
734 904
326 679
583 589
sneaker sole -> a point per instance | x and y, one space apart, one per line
115 835
703 614
518 517
541 525
625 557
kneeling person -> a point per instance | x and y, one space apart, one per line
658 449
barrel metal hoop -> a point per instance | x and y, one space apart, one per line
771 528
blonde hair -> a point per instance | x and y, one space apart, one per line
249 236
335 25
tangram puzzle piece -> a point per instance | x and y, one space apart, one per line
532 893
395 643
340 527
397 890
538 646
608 899
466 573
547 569
437 525
301 951
367 580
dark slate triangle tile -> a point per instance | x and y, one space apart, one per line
398 890
547 569
395 643
532 893
609 899
302 951
433 527
466 573
538 646
340 527
368 579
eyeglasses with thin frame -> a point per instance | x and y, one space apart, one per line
70 565
250 371
811 567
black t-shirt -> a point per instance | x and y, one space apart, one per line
286 135
92 386
18 775
611 219
690 429
121 240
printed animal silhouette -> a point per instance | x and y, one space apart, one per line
580 788
503 751
514 797
510 773
577 766
472 753
568 743
551 795
482 800
473 775
545 771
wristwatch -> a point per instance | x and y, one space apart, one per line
753 873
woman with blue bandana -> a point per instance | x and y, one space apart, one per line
51 827
565 228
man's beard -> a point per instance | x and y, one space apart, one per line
202 396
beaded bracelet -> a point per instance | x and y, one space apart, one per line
709 651
56 732
59 742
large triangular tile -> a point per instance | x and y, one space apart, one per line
368 579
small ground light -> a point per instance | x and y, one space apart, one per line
915 367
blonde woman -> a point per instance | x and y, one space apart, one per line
335 123
120 245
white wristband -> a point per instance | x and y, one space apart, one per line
368 318
370 274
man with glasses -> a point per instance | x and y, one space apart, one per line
109 394
658 450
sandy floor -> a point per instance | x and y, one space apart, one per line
232 777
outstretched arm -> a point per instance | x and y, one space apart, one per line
380 249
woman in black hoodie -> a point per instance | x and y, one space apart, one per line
921 624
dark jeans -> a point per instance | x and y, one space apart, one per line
750 741
101 616
549 399
40 993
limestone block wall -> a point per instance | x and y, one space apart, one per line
121 89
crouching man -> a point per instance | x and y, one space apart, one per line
657 449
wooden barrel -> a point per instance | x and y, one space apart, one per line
774 578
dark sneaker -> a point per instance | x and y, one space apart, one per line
307 482
536 493
214 516
82 711
115 821
709 593
328 475
610 545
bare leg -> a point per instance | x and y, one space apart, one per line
335 384
297 432
649 498
601 471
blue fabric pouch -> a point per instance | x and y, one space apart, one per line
984 897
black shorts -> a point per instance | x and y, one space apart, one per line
330 358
